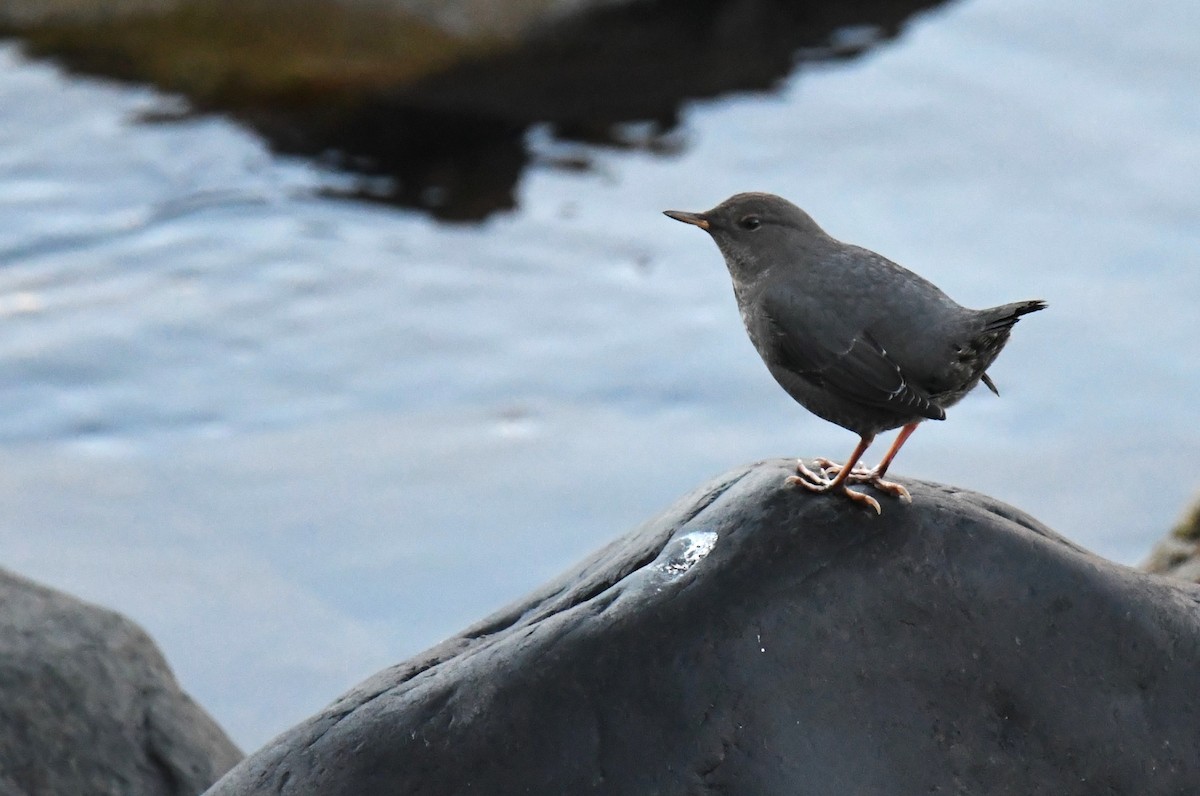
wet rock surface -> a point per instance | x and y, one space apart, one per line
89 706
761 640
438 97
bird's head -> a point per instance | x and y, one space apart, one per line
755 231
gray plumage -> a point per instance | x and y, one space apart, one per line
853 337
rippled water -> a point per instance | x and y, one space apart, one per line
300 439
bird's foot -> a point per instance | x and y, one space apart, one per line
861 474
825 477
817 481
822 482
873 478
832 469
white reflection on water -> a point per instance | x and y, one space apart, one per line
299 440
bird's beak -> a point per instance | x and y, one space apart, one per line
688 218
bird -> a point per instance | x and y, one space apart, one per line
850 335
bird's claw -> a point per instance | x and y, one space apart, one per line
823 482
892 488
872 478
832 469
816 482
863 498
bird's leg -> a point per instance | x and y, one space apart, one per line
875 477
901 438
823 483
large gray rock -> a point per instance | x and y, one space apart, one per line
763 640
89 706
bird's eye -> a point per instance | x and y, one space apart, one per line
750 222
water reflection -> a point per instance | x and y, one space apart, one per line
455 142
452 140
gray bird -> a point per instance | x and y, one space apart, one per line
853 337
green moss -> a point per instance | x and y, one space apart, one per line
233 53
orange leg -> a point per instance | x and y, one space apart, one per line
875 477
901 438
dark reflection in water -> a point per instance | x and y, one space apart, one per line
439 122
453 143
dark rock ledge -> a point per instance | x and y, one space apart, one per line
762 640
88 706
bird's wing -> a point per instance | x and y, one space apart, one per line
844 360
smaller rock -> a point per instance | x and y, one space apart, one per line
89 706
1178 555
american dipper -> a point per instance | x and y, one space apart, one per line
853 337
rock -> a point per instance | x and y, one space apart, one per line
89 706
1178 555
763 640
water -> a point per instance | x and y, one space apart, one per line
300 439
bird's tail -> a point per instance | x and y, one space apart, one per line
1004 316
